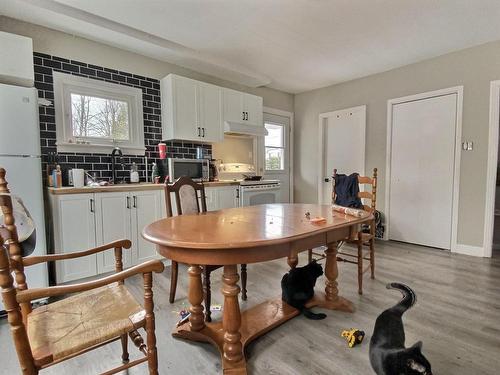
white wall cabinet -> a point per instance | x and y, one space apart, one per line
16 60
192 110
242 108
84 221
195 111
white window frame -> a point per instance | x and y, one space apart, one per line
66 84
284 148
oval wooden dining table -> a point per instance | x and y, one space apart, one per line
249 235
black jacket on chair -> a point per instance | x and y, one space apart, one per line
346 190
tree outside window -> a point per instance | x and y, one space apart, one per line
99 117
274 147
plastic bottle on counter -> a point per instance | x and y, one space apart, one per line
134 173
57 177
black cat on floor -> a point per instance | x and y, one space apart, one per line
388 355
297 287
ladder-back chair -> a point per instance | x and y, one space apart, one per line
190 198
106 310
361 239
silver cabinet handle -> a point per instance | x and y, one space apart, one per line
128 202
199 134
243 115
203 130
135 201
92 208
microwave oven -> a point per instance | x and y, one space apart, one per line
196 169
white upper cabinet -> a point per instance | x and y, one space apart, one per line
242 108
16 60
196 111
210 112
253 106
191 110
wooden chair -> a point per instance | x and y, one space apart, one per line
188 201
361 239
105 310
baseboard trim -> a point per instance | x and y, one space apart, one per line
476 251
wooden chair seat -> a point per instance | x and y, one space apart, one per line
85 320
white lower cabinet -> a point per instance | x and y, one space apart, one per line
84 221
147 208
222 197
74 230
113 222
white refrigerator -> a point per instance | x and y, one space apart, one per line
20 156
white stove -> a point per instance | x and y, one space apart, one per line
251 192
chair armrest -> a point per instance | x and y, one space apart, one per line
29 295
31 260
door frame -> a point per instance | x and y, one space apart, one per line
459 90
323 118
290 115
491 172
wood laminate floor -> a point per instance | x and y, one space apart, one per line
457 317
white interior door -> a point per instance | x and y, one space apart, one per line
422 171
343 146
276 150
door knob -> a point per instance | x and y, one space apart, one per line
327 179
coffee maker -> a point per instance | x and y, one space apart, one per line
213 169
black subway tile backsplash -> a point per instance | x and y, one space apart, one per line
100 164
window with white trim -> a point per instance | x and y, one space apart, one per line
95 116
274 143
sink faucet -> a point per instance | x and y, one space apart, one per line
116 157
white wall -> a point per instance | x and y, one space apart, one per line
473 68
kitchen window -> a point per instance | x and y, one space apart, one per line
95 116
274 147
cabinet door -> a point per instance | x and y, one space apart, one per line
74 230
210 112
146 209
113 214
211 197
233 105
253 105
184 97
227 197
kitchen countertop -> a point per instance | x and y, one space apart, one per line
126 187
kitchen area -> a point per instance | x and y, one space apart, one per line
106 141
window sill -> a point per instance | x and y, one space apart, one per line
98 148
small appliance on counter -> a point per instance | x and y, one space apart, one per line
197 169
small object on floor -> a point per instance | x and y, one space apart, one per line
308 215
184 318
318 220
216 308
353 336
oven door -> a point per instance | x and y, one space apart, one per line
253 195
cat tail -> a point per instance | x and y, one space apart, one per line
313 316
409 296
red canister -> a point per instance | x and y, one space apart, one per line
162 150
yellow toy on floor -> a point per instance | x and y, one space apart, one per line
353 336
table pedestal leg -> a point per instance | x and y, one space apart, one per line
195 297
231 323
292 260
331 299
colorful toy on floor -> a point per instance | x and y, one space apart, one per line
353 336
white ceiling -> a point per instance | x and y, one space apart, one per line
290 45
